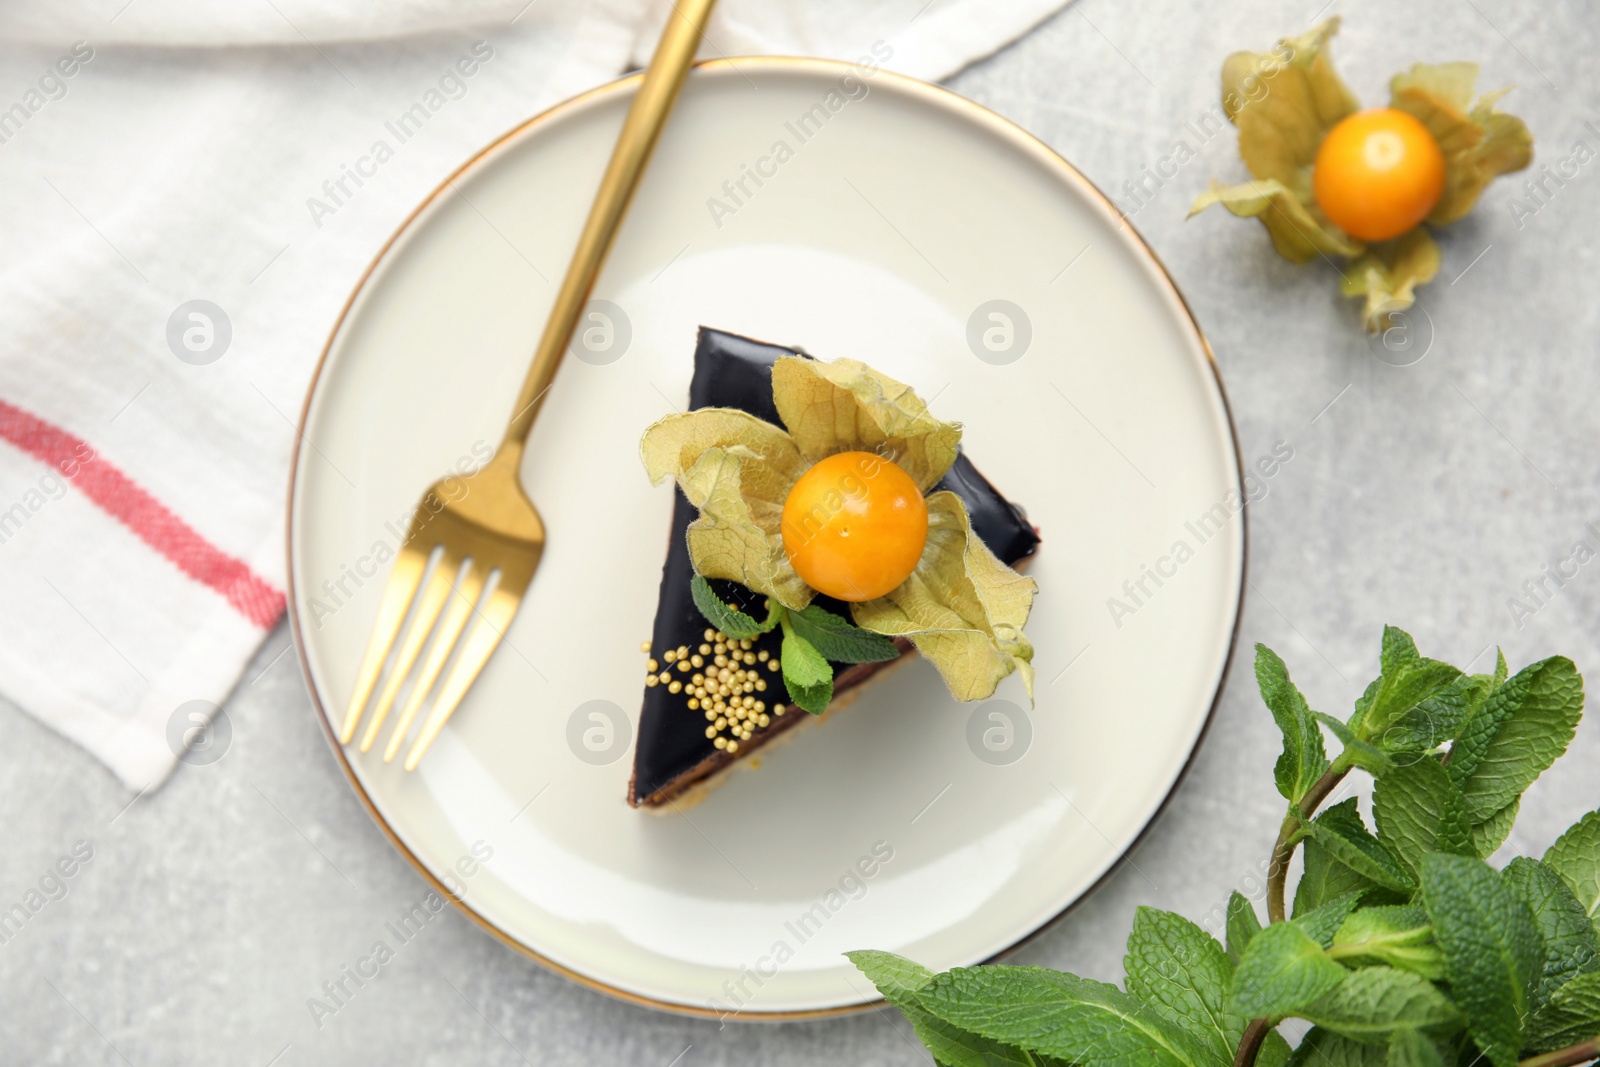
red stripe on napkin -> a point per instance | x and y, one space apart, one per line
152 521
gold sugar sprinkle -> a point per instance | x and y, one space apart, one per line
720 689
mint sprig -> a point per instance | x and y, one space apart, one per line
1404 947
814 638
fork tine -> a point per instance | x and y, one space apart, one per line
455 620
428 607
480 644
397 594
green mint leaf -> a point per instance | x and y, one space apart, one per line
1567 937
1242 924
895 976
1180 971
1323 921
1571 1016
1418 810
1060 1015
1282 970
1491 950
899 980
1535 714
839 639
1576 857
1323 878
1336 726
1363 702
1340 830
1413 1048
1324 1048
1475 733
731 622
1372 1003
1303 760
1500 668
1437 719
1492 832
1399 935
810 698
1407 679
806 674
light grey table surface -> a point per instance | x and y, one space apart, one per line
1423 495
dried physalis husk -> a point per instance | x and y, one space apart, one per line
1387 274
1479 142
961 607
738 470
1285 101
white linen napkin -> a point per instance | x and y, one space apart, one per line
167 282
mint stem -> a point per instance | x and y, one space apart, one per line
1250 1044
1582 1052
1289 837
1277 877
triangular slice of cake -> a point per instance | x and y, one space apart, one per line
680 744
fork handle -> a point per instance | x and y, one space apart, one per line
651 105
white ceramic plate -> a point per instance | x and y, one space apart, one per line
881 231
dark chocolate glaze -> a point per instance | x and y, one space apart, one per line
672 751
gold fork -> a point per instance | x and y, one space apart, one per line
488 526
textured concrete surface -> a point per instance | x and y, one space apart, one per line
1424 495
